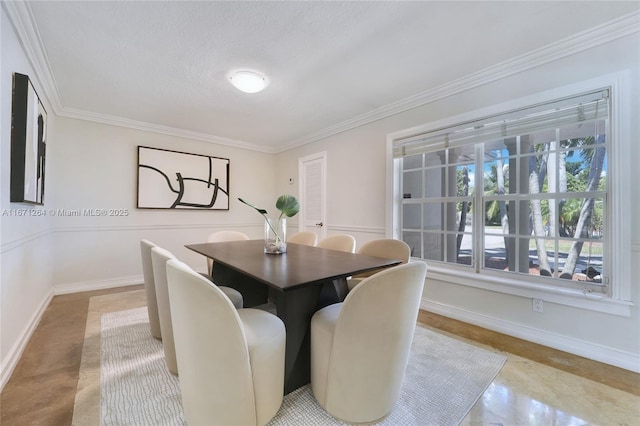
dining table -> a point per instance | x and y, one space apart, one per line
297 283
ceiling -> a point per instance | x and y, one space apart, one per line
164 64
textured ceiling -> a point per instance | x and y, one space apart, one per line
164 63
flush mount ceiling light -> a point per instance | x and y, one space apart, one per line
248 81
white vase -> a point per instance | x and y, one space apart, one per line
275 236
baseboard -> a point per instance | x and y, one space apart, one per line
626 360
10 362
97 285
12 358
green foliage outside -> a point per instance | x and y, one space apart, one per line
577 180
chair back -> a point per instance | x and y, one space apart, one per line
212 353
340 242
220 237
150 288
370 351
308 238
386 248
159 259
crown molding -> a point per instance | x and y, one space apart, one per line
610 31
165 130
20 15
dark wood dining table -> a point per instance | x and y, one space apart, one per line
299 282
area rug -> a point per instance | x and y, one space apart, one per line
444 379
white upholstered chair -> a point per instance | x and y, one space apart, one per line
150 288
222 236
308 238
340 242
386 248
159 259
231 361
360 348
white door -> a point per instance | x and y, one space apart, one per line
312 179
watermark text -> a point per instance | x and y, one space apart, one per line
21 212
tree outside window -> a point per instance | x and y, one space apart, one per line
523 192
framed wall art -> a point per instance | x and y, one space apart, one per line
180 180
28 143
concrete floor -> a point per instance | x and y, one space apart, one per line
537 385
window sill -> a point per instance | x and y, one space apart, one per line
508 285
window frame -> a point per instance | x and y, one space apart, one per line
617 240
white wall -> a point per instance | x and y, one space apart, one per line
94 166
356 203
355 180
26 260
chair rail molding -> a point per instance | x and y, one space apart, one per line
14 244
356 229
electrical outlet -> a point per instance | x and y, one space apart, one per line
538 305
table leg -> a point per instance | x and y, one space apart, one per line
332 292
253 292
295 308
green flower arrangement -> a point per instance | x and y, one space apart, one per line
288 206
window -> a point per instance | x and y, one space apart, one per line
521 197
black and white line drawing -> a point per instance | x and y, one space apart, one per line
179 180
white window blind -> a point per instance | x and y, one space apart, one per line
552 115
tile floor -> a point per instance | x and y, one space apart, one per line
537 385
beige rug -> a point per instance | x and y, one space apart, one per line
444 379
86 410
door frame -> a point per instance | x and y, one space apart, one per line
322 157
